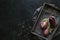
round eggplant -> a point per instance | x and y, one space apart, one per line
46 32
43 25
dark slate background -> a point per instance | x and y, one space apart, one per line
16 18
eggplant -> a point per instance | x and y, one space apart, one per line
44 23
46 32
52 21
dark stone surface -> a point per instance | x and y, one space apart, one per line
16 18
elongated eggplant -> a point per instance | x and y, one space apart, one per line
52 21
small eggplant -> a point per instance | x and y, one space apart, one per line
44 24
52 21
46 32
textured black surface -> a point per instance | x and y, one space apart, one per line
16 18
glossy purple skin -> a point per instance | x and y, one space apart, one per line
46 32
43 24
52 21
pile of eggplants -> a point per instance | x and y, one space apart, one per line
47 25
